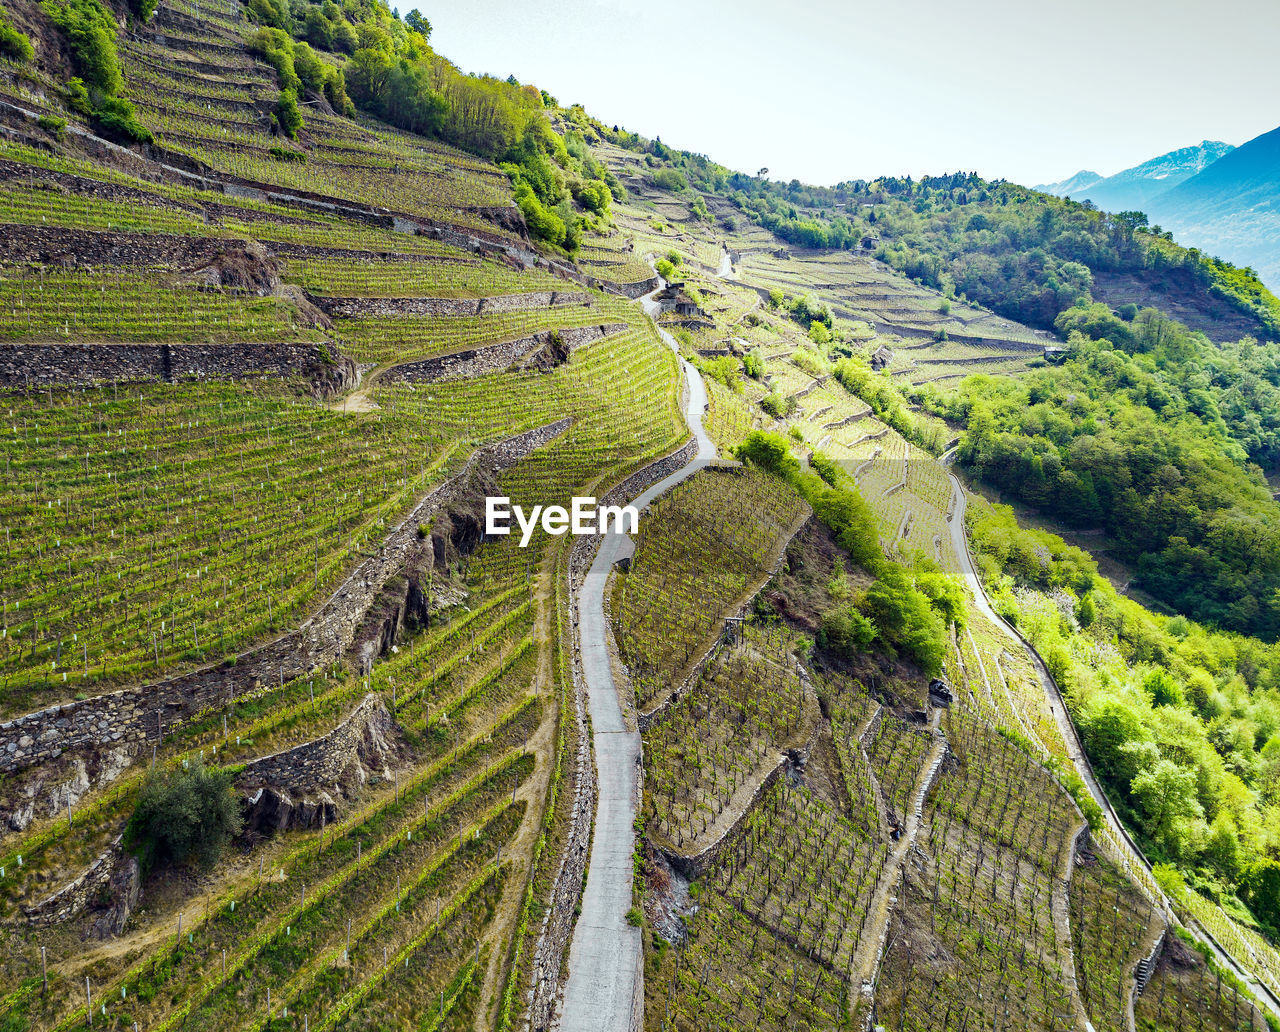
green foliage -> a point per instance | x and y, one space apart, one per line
1260 888
908 607
543 223
888 404
1146 434
665 269
296 65
184 814
905 618
669 179
90 31
770 452
52 124
846 631
1079 791
592 195
1179 721
272 13
287 114
753 364
14 44
287 154
724 369
418 23
779 405
1170 881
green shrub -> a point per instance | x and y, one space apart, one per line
665 269
725 370
592 195
115 118
669 179
906 619
274 13
184 815
287 114
14 44
846 632
770 452
288 154
52 124
779 405
90 31
77 97
543 223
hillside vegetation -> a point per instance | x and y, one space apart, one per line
290 742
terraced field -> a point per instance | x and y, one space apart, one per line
696 560
255 392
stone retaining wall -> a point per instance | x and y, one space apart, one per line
323 761
496 358
55 245
566 891
77 365
140 714
111 883
357 307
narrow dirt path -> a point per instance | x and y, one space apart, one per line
866 960
605 989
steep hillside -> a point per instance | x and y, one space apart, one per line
1232 208
290 738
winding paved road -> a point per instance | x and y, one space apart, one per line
604 992
1075 751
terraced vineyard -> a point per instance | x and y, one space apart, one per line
711 749
696 556
257 380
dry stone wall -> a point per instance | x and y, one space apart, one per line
300 787
140 714
78 365
112 884
497 357
356 307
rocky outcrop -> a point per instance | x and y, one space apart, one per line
539 350
109 889
302 786
48 791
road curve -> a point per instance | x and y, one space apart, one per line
1075 750
604 992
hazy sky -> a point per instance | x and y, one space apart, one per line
825 91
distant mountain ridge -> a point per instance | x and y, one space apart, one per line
1133 187
1082 180
1222 199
